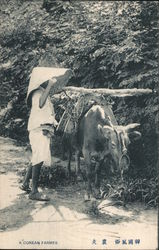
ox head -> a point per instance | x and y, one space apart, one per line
117 139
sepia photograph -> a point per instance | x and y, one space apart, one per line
79 124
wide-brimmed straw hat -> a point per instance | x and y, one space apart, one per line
40 75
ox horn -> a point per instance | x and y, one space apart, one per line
129 128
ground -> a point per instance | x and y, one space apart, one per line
66 221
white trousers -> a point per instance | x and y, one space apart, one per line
40 145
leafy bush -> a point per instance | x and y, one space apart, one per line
142 190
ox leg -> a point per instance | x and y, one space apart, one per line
88 194
69 164
97 182
78 170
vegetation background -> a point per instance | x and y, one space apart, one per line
111 44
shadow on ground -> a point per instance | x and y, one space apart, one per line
66 204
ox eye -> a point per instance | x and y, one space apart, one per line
106 140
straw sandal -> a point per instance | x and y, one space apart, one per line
38 197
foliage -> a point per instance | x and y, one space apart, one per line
142 190
108 44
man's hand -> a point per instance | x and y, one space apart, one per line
55 123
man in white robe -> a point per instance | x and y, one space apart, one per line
41 120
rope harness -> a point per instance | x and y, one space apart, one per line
123 149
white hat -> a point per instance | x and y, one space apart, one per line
40 75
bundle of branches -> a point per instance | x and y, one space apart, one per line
75 105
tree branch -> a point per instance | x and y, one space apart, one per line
109 92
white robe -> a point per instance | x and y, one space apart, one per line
40 144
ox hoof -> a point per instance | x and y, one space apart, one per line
79 178
92 198
98 197
87 197
97 194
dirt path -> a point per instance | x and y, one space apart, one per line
66 221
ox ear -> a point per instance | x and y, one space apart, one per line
129 128
134 136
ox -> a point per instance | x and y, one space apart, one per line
97 139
